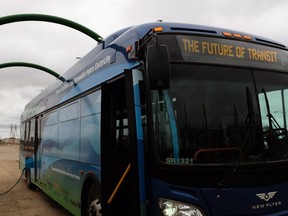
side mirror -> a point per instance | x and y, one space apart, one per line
158 67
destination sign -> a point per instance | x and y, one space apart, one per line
231 52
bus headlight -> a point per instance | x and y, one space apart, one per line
175 208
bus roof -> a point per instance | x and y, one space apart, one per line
112 51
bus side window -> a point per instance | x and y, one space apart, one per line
32 132
90 117
25 131
122 131
28 125
29 135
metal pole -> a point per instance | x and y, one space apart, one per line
52 19
31 65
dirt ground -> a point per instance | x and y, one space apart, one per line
21 200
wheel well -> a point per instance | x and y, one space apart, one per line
89 181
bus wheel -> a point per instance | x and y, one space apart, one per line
93 201
30 185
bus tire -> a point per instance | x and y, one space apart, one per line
93 205
30 185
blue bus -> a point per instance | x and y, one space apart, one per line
165 119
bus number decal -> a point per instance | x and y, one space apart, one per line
179 160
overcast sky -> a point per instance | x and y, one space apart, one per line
56 47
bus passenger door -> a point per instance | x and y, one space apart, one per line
119 157
37 150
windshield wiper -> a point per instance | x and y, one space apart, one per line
167 106
276 137
250 125
272 121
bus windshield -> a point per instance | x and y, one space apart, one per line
221 115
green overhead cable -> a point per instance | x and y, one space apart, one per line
52 19
31 65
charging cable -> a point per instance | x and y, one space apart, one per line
14 184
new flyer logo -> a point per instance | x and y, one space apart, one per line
266 197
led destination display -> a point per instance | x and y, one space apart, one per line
232 52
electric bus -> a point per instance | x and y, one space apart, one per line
165 119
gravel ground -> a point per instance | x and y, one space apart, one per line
21 200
